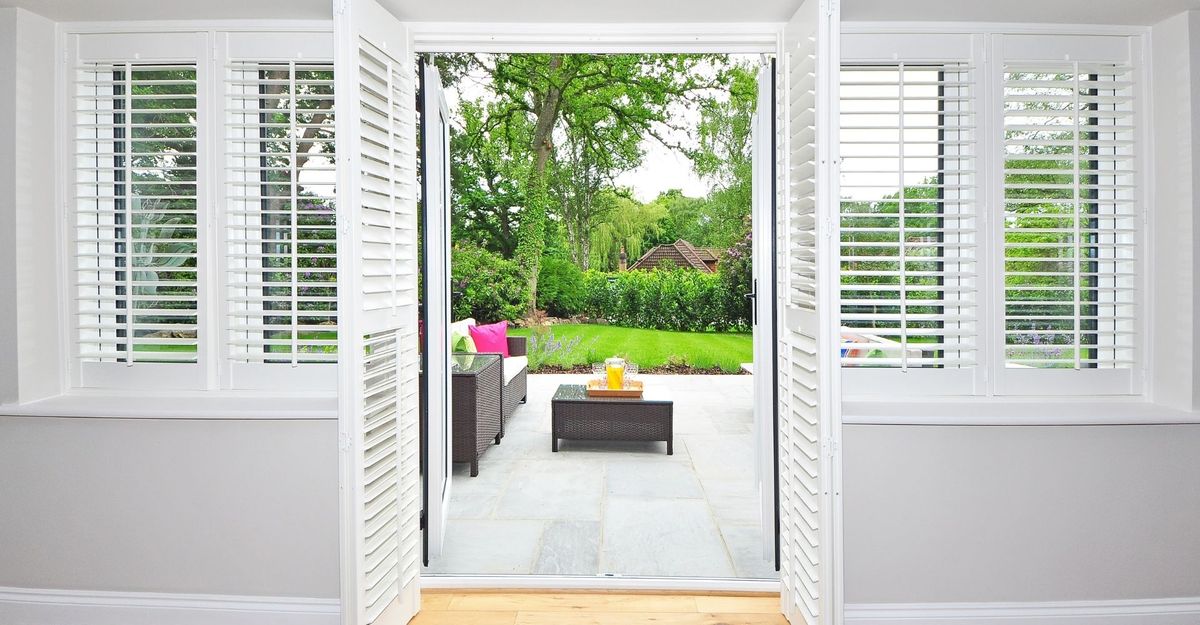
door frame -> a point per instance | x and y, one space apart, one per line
746 38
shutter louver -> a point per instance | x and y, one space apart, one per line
135 231
388 148
280 216
799 431
802 189
908 216
1070 216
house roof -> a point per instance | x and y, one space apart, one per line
681 254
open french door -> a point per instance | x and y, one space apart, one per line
764 313
378 360
810 502
435 226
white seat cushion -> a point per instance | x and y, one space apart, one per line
514 365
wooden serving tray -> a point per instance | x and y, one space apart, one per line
632 389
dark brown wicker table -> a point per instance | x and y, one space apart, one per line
575 416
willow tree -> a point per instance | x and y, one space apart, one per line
624 223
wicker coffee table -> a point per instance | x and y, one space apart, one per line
575 416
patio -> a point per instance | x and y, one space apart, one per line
608 508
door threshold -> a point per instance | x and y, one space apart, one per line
597 582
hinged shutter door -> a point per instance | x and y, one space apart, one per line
809 401
377 312
765 318
435 165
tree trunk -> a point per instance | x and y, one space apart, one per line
532 238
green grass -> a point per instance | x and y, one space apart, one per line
649 348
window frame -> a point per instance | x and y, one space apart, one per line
211 46
982 46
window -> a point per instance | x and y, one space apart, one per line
280 224
991 221
907 217
1069 220
136 236
203 238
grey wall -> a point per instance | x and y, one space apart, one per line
8 200
964 514
212 506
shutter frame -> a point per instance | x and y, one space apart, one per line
933 113
377 201
809 371
1122 374
279 305
146 102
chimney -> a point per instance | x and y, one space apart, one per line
623 264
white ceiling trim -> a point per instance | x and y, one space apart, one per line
742 38
991 28
190 26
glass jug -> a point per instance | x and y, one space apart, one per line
615 368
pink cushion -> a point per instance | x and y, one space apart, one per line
491 338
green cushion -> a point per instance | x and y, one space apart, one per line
462 342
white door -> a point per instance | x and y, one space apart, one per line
809 395
378 360
765 319
435 176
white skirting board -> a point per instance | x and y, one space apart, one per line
22 606
1184 611
26 606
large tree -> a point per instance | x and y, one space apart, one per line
607 103
489 165
723 156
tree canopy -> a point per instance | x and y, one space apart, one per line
540 140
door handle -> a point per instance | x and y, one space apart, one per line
753 297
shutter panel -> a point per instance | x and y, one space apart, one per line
378 363
1071 221
809 421
908 217
136 235
281 249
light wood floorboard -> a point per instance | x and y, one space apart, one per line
445 607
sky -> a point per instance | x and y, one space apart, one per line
661 170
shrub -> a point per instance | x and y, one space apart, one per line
663 299
737 276
544 348
560 289
486 286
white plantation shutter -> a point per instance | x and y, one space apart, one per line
281 249
136 237
801 222
908 216
1071 221
377 305
809 421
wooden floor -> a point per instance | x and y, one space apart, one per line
595 608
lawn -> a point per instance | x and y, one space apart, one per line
648 348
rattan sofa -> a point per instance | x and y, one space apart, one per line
477 388
514 373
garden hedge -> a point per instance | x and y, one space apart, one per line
664 299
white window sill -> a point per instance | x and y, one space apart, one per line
1013 411
197 405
